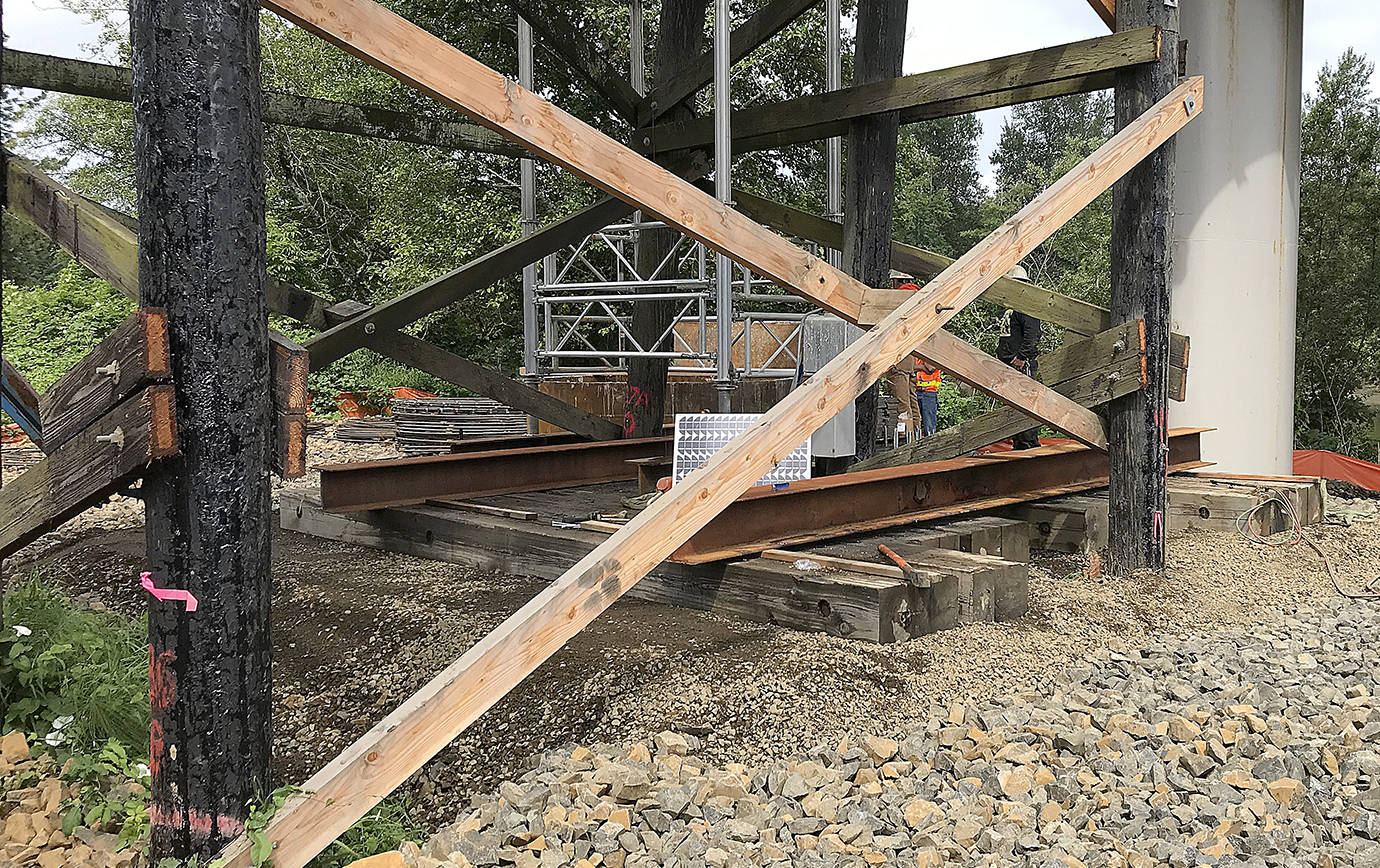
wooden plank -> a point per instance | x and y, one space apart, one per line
808 118
830 562
134 355
84 470
1048 306
452 368
1088 373
765 23
21 402
91 233
581 51
383 758
103 81
487 509
1106 10
1005 383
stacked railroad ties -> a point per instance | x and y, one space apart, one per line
349 786
355 781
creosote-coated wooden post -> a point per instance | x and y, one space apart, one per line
870 174
1142 269
200 177
681 40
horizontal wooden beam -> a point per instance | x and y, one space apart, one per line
765 23
104 81
581 51
103 458
1046 305
351 784
445 365
131 357
1087 65
21 402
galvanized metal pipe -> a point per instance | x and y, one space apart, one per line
528 183
723 189
833 147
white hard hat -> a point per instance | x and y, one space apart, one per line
1018 272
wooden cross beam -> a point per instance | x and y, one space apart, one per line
586 57
103 81
1071 313
378 762
1078 67
102 239
765 23
20 401
1106 10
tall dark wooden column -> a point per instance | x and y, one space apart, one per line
870 174
1142 269
680 41
200 177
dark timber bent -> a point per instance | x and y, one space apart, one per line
384 757
207 509
1142 267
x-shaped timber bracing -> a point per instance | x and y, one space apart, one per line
377 763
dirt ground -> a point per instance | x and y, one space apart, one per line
357 630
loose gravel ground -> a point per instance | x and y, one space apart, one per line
357 630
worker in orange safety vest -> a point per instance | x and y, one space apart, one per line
927 379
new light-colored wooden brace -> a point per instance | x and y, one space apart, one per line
401 743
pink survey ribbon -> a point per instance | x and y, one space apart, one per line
168 593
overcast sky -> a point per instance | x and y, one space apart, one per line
941 33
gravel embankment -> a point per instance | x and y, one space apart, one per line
1251 747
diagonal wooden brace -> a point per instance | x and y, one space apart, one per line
379 761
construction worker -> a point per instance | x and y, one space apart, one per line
901 377
927 379
1020 348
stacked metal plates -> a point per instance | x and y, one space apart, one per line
430 425
375 429
700 435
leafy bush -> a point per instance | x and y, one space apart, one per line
73 677
113 793
50 327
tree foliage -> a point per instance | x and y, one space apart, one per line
1338 346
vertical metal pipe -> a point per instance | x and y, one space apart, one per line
833 147
527 179
723 189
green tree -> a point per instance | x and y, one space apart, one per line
1338 337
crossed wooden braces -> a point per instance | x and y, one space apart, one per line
383 758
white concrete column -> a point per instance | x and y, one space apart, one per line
1236 230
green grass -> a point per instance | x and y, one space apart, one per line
72 662
379 831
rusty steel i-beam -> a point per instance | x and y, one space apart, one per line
833 506
402 481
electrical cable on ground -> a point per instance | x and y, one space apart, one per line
1245 527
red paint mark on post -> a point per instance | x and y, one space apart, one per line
168 593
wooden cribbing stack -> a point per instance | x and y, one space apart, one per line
384 757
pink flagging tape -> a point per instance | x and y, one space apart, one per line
168 593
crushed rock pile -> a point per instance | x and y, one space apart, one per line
1257 748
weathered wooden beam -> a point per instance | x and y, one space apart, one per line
1087 66
383 758
101 459
1048 306
133 356
104 81
94 235
291 400
1142 267
1003 382
586 58
417 353
765 23
20 401
1106 10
